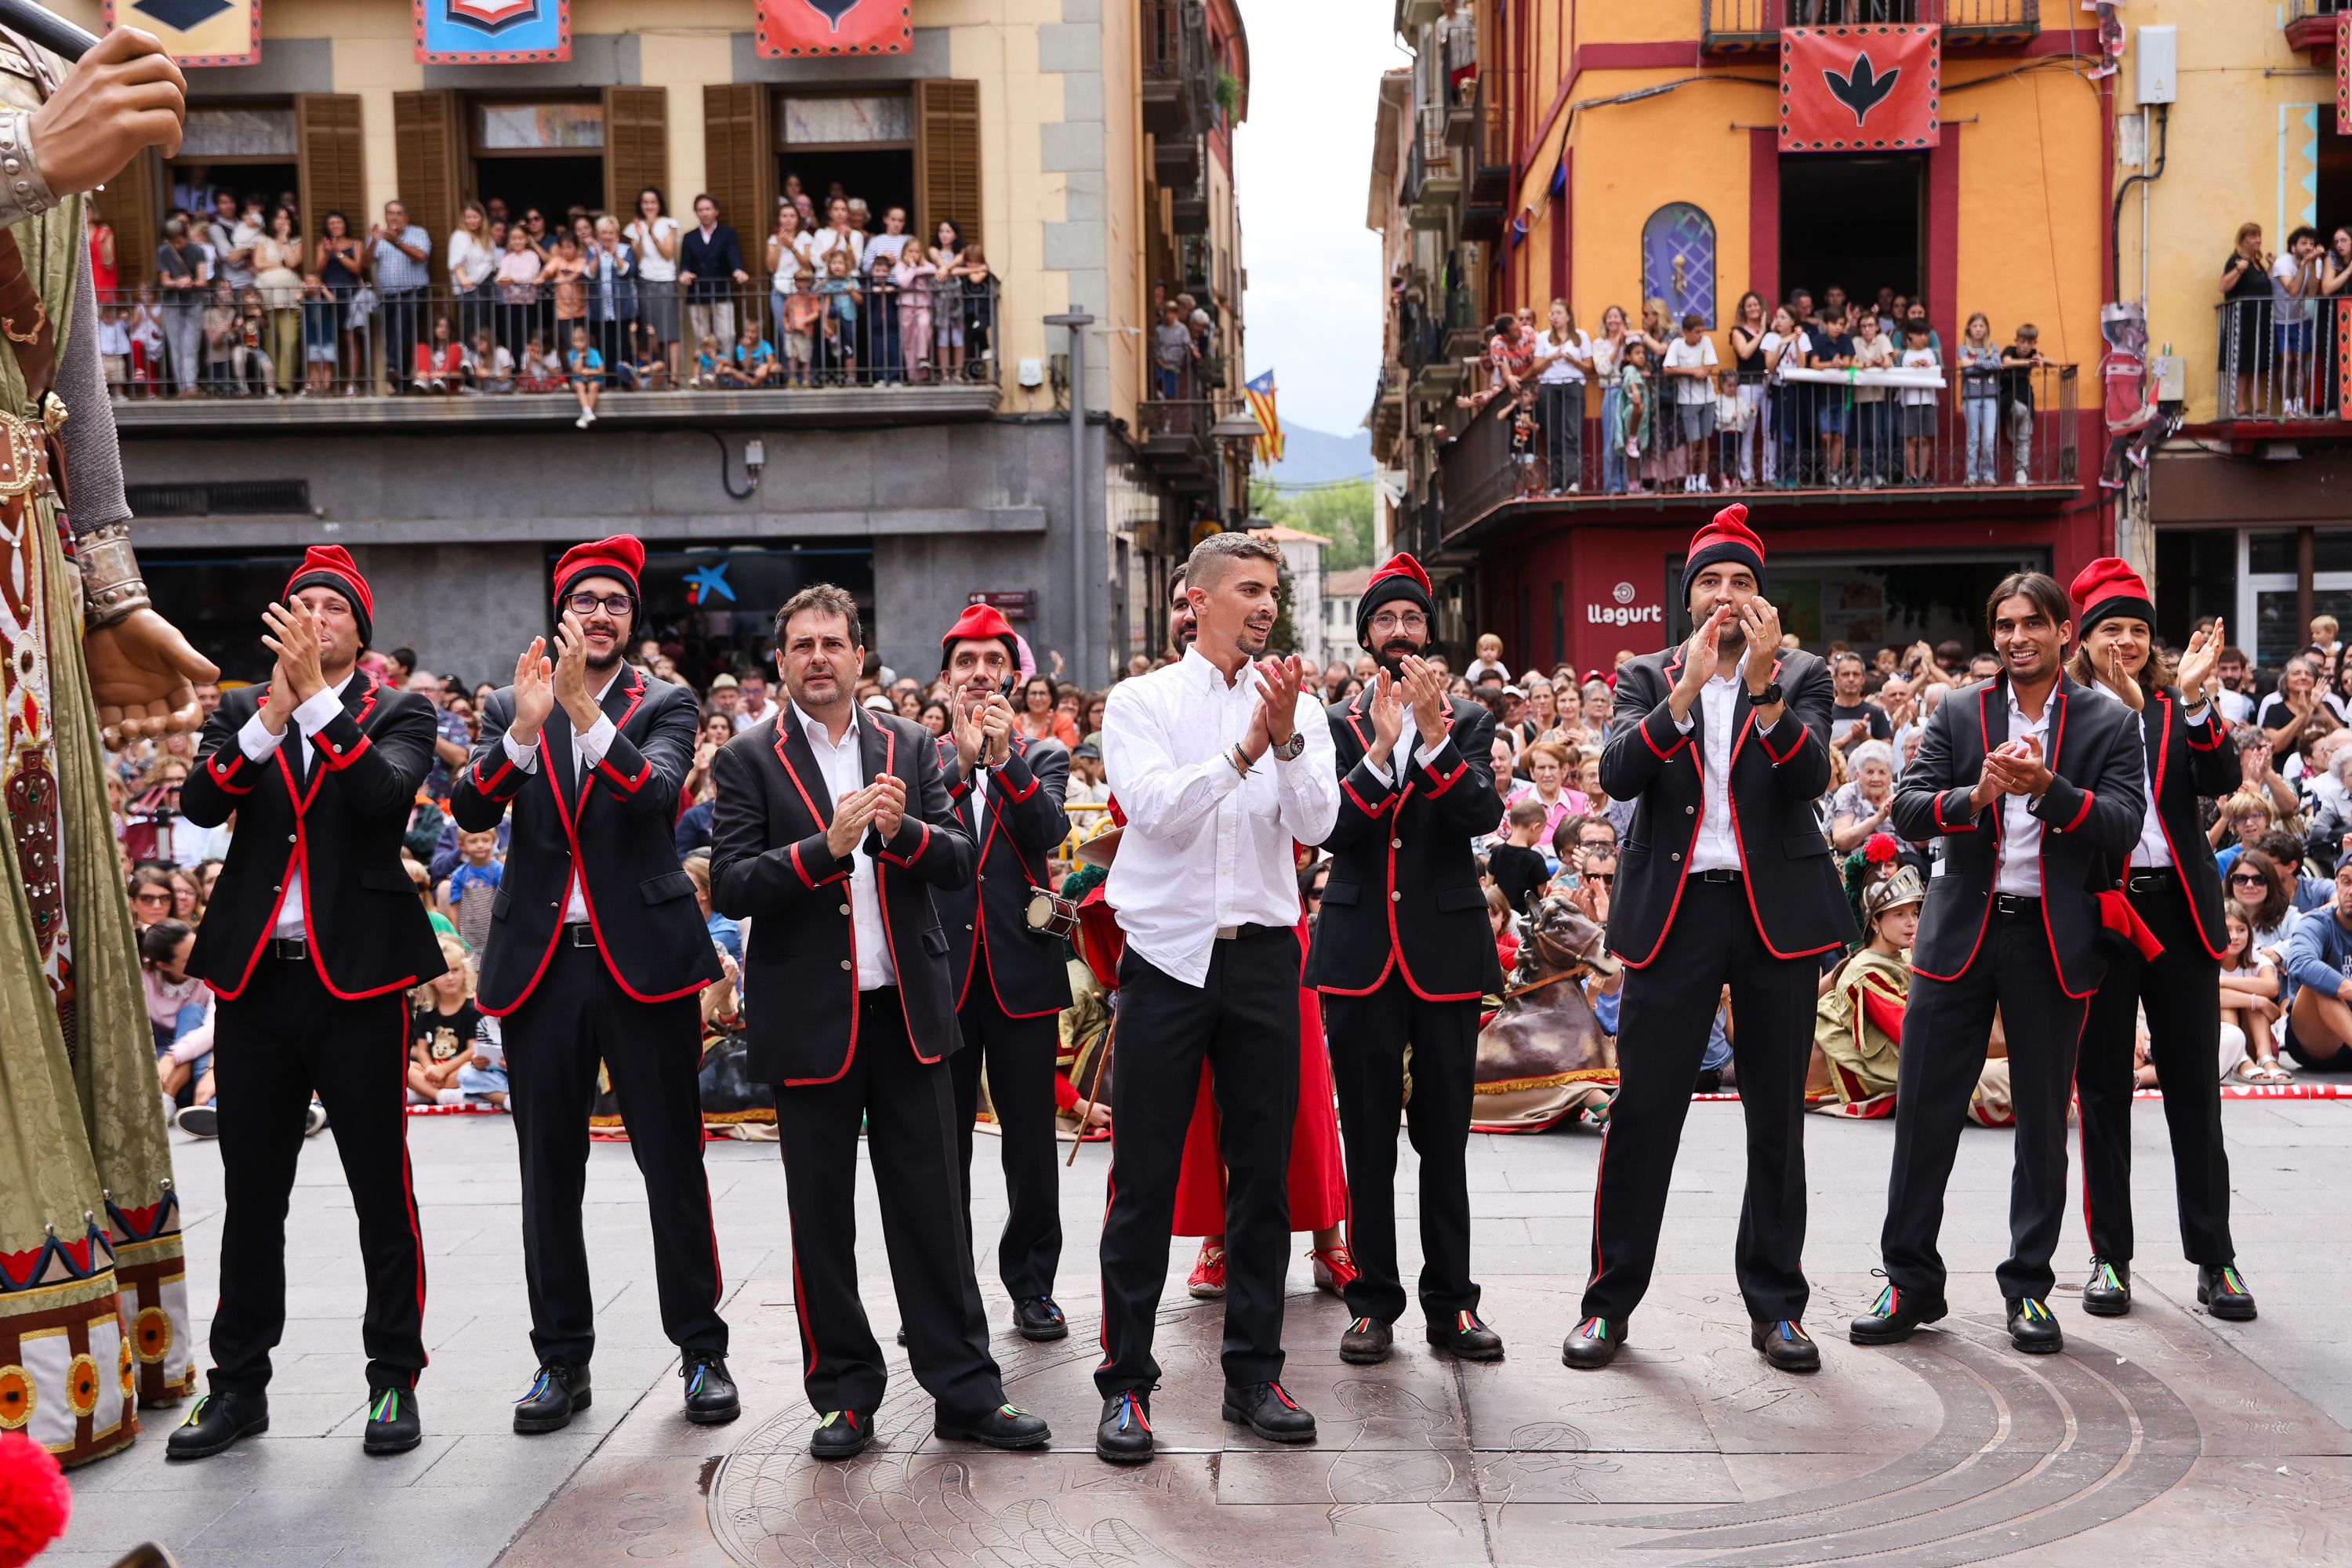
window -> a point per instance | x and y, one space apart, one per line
858 146
1853 222
549 155
1678 261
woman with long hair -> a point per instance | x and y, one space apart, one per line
471 263
1563 355
1749 326
653 236
338 264
152 894
277 273
1036 716
1608 360
1979 368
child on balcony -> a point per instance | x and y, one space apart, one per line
1733 416
1918 407
586 367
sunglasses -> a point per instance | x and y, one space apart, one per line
1606 878
2251 879
152 899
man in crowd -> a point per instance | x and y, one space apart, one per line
451 744
834 835
753 708
2319 962
398 249
726 697
2016 931
599 955
709 263
2233 700
1403 953
1221 763
311 943
1011 980
1181 626
1854 719
1722 743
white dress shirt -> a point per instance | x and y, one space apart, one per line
844 767
2019 871
258 743
1406 737
1206 847
1717 849
587 750
2152 851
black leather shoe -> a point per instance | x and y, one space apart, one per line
217 1421
1265 1409
1592 1344
1895 1316
710 1399
1467 1337
1786 1345
1123 1437
1365 1341
2107 1292
2033 1330
1004 1426
902 1334
559 1393
2223 1294
1036 1318
842 1434
393 1425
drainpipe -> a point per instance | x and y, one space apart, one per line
1077 322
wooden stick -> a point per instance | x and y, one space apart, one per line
1102 1061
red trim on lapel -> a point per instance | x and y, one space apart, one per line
1356 718
2163 752
1749 723
1984 920
212 766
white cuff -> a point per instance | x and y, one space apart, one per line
1682 724
319 711
1380 772
256 740
1427 754
2196 715
524 757
596 742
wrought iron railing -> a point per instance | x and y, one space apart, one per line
2278 363
1739 19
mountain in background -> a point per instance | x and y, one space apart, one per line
1313 456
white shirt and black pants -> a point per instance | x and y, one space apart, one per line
1206 891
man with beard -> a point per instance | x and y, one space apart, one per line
2036 785
1403 953
1181 628
1221 763
1010 982
1722 743
597 952
312 941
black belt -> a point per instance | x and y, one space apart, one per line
2016 904
1716 874
293 948
2150 879
1228 933
581 933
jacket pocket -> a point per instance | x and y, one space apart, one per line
1338 893
501 905
375 879
1800 845
1455 898
935 943
669 885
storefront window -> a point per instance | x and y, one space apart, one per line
539 126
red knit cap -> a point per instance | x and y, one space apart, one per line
977 624
621 557
2108 587
1400 577
1728 538
332 566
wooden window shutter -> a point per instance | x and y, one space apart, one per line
739 147
426 141
332 150
637 148
947 156
133 203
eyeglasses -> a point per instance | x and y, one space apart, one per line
2249 880
151 899
1605 879
1401 620
614 603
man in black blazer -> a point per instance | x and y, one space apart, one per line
832 833
1010 982
1403 953
1722 743
2032 782
313 937
710 264
597 951
2173 886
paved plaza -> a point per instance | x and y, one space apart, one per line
2161 1438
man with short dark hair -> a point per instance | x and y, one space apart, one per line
1853 718
398 250
1182 629
710 261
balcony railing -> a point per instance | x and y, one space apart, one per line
2271 370
2009 430
1178 86
2311 24
1487 146
1738 26
396 345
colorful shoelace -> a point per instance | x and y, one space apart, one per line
386 1407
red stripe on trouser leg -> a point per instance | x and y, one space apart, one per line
407 1183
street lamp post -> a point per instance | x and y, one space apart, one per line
1235 434
1077 322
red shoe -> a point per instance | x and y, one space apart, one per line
1208 1281
1335 1267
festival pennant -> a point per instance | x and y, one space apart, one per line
493 32
1860 90
196 32
805 28
2343 72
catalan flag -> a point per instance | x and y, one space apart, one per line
1267 450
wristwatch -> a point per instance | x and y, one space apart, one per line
1767 697
1289 750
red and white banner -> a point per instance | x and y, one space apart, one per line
801 29
1860 90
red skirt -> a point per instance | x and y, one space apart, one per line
1318 1178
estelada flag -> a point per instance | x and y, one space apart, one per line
805 28
196 32
1860 90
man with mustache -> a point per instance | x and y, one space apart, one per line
1221 763
1403 953
597 952
1182 629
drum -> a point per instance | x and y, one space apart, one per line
1049 915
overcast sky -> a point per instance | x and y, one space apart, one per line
1304 161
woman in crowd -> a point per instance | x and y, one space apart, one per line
2246 320
471 263
1551 769
1783 349
151 894
789 276
935 717
187 897
1038 718
913 275
1860 809
947 300
2253 884
2283 712
1543 709
716 730
1563 355
611 296
338 262
653 237
2250 991
276 273
176 1001
1749 326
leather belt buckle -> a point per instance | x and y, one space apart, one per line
1717 874
2016 904
1227 933
294 949
583 934
2149 879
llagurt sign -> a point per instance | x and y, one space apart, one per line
1622 611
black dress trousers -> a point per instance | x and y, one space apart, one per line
1662 1025
2181 991
1368 1036
1946 1026
1244 1021
1019 1056
577 1016
283 1037
907 1108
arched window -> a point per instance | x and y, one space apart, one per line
1678 260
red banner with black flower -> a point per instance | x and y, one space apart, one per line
1860 90
802 29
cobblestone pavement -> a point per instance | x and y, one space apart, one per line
2161 1438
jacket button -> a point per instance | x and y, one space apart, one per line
1396 843
277 889
1690 811
844 963
844 909
1678 855
967 925
293 839
982 878
1394 896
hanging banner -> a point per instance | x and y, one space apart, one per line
1860 90
196 32
492 32
2343 72
799 28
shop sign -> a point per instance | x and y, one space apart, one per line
1622 611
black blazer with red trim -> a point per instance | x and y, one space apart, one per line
617 824
990 945
2090 818
1404 871
336 824
769 863
2186 761
1792 883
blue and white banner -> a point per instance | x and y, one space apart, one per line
493 32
